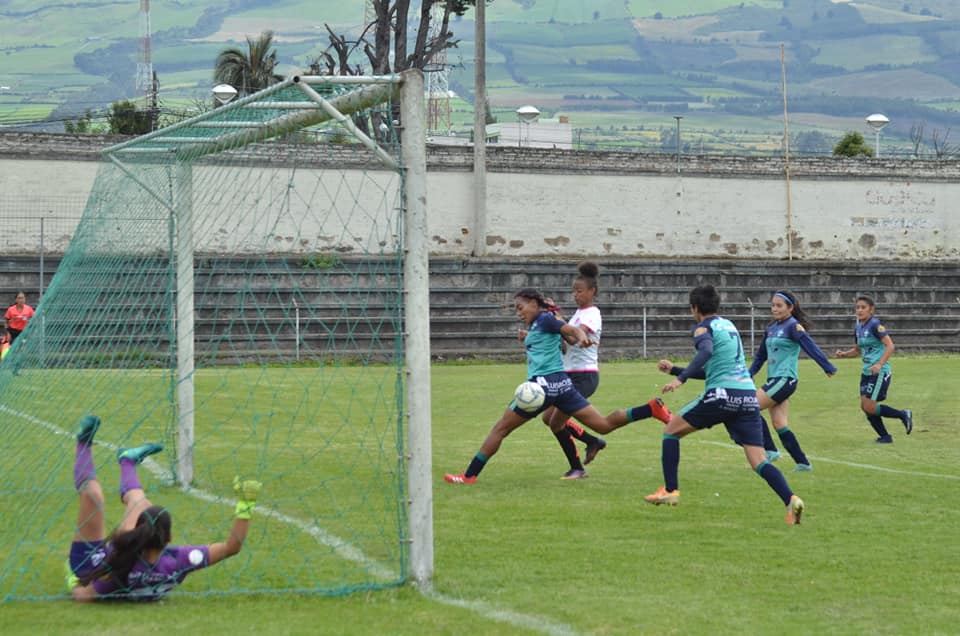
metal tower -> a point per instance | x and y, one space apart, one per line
436 76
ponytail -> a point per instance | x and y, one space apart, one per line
151 532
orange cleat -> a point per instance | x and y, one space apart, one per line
660 410
459 479
671 498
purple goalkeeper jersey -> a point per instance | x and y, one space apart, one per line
152 581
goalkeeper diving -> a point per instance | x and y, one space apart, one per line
137 562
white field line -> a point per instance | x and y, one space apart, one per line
881 469
341 547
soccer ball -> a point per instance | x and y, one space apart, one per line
529 396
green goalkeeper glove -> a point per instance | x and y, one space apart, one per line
247 491
71 578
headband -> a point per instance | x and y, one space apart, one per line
785 297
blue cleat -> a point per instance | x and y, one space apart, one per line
884 439
773 455
138 453
88 428
802 468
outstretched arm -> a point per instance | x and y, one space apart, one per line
247 492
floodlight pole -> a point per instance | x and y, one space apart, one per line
678 118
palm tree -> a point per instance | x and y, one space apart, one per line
249 71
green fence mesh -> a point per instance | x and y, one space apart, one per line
266 237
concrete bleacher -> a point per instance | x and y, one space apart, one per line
644 302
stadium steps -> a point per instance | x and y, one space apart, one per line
472 312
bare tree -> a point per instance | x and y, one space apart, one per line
941 148
916 138
388 51
389 28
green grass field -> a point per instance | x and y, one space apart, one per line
523 552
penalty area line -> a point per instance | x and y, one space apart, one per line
882 469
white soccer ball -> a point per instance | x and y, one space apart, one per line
529 396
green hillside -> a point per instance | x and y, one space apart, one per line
619 69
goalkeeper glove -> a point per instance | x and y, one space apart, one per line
71 578
247 491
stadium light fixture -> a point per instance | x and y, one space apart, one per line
224 93
525 114
877 121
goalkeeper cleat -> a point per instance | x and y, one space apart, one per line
138 453
88 428
660 410
794 510
575 474
459 479
593 449
662 496
908 420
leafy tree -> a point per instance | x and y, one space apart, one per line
251 70
81 125
811 142
125 119
852 145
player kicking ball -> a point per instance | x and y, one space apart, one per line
729 398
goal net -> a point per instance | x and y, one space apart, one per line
238 290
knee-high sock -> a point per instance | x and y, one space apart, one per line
476 464
569 449
775 479
790 442
888 411
83 468
129 480
877 423
578 432
767 437
670 460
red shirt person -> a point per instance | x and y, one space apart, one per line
17 317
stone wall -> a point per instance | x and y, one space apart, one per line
567 203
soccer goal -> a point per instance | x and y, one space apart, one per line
249 288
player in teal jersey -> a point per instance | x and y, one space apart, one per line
729 398
545 367
780 349
874 343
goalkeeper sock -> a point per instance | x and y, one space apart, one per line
83 468
129 480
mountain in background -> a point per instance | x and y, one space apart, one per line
621 70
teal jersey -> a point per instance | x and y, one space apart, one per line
780 349
727 366
544 355
870 341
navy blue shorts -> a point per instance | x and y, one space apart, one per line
560 393
737 409
875 386
780 389
85 556
586 382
